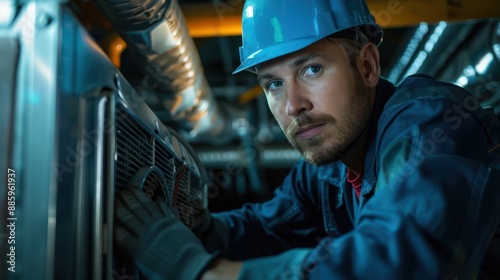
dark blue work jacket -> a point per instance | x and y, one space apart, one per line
429 205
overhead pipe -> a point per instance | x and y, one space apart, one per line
156 30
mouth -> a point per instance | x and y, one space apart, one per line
309 131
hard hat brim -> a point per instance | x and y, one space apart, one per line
275 51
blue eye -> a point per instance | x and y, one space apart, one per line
312 70
273 85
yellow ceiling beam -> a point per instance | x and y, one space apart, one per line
219 18
214 19
400 13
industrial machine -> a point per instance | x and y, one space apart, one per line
73 132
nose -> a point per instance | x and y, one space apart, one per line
297 100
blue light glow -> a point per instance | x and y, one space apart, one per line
409 52
484 63
6 12
462 81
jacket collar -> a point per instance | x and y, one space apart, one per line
384 91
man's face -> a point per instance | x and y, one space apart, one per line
318 99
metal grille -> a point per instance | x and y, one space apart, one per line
137 148
184 186
167 164
134 147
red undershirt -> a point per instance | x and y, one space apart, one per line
355 181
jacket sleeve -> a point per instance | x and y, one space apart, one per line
434 224
436 205
289 220
405 233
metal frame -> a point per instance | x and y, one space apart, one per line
59 135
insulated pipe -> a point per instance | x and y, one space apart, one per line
156 30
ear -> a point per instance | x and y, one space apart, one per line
369 64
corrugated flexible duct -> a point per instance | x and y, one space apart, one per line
157 32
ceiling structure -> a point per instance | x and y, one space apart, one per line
453 40
219 18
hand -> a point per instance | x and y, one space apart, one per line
202 218
211 230
160 245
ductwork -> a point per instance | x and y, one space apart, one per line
157 32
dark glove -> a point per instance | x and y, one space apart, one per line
202 218
211 229
160 245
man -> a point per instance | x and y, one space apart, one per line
396 182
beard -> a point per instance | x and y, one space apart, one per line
337 136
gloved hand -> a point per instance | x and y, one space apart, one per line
211 229
202 218
160 245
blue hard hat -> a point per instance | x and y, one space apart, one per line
273 28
